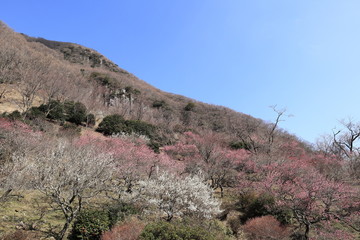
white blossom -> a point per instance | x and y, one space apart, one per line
177 196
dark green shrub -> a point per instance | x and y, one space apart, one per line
159 104
53 110
136 91
139 127
240 145
105 80
284 216
90 224
101 78
155 146
75 112
190 106
129 89
15 115
253 206
119 211
112 124
174 231
35 113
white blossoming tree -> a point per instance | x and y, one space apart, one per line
177 196
69 174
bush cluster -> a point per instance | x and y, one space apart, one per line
91 223
115 124
253 206
236 145
159 104
103 79
73 112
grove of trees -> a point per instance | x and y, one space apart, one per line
92 152
306 192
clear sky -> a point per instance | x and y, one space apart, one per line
303 55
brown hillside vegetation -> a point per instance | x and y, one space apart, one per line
37 70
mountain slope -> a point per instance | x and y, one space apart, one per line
40 70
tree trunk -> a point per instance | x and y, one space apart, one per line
307 230
64 230
221 191
70 215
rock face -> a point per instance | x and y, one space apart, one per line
75 53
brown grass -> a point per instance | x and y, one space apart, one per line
12 99
28 210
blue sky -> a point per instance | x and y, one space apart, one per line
303 55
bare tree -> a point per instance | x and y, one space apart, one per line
57 83
344 144
271 133
9 62
345 140
260 137
68 174
15 139
33 72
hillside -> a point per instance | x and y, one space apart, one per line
89 151
74 72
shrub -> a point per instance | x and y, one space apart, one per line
131 90
190 106
35 113
139 127
90 224
103 79
53 110
75 112
159 104
266 227
119 211
239 145
129 230
15 115
254 206
112 124
176 231
155 146
115 124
